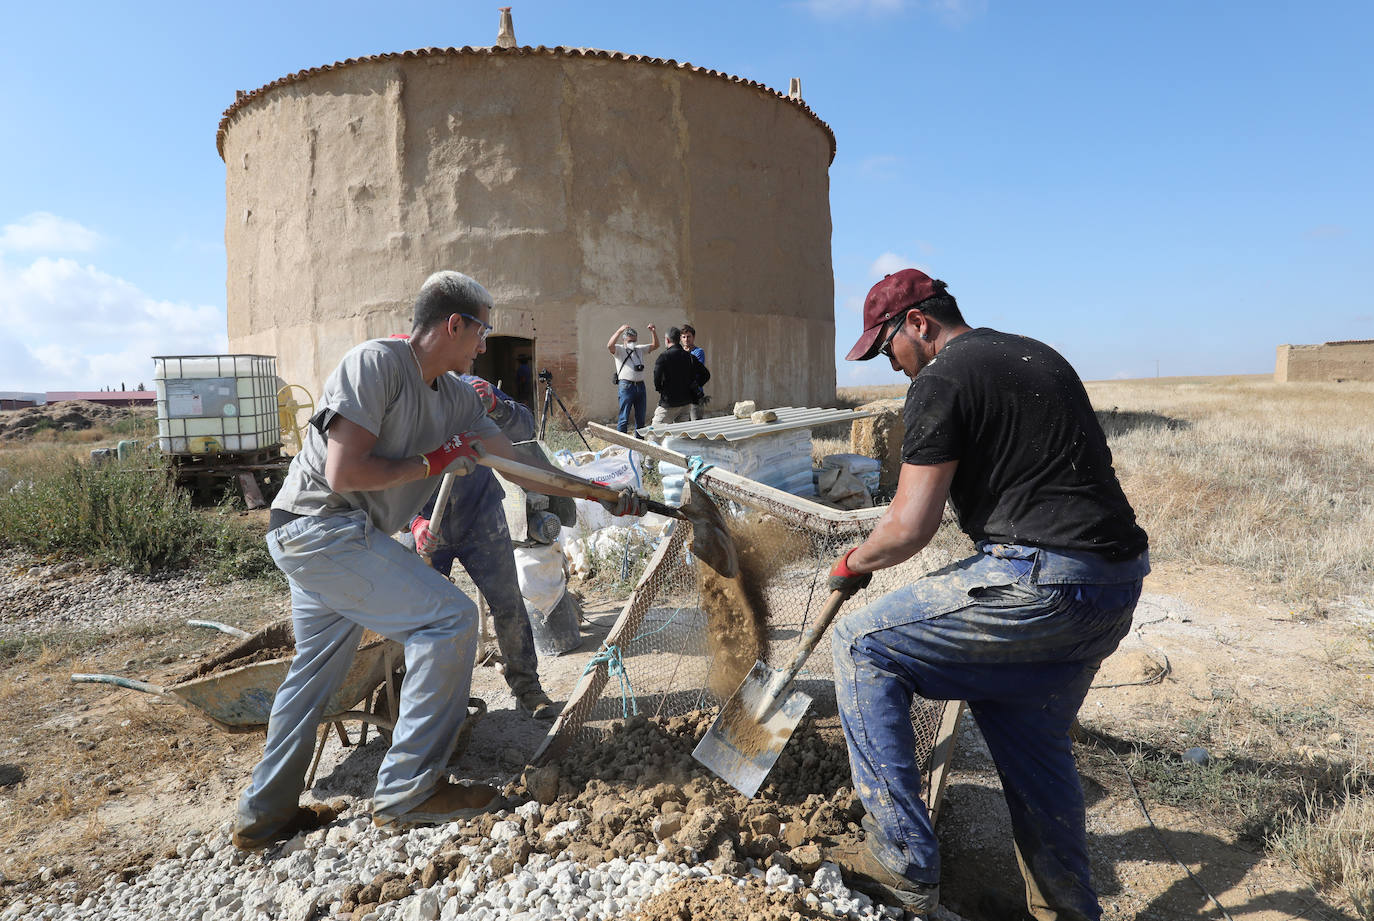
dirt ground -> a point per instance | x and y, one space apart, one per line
95 779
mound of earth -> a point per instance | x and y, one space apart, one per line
64 416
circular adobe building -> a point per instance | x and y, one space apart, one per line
584 189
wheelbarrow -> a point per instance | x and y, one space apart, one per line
238 697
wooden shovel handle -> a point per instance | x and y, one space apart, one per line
556 480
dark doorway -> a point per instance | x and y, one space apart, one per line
502 365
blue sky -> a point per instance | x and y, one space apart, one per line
1172 186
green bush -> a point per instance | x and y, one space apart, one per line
123 514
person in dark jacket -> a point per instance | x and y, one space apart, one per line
678 378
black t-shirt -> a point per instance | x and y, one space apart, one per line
1034 466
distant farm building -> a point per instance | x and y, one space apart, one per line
1351 360
583 188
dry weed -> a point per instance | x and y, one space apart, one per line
1335 851
1271 478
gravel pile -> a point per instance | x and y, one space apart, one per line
39 598
628 826
352 870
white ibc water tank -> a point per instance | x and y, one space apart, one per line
208 404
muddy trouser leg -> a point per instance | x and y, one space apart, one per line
1023 656
484 549
346 576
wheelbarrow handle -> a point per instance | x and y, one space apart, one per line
222 628
119 680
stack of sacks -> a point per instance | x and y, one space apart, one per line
780 459
597 529
867 469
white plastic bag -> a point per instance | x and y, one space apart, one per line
539 570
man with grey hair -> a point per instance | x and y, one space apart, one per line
629 354
390 417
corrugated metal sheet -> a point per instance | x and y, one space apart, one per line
728 428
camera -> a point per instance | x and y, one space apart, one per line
545 375
639 367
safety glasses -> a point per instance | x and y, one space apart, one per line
486 327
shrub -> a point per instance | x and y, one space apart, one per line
126 514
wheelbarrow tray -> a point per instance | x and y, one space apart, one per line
239 698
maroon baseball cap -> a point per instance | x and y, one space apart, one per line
889 297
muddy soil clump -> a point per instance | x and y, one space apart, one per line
638 792
724 900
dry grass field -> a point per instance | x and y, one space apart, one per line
1255 646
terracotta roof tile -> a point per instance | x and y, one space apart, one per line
243 99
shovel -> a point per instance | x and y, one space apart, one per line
711 541
440 507
752 728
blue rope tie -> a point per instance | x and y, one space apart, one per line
696 466
609 653
615 668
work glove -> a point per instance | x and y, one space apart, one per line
628 502
843 579
487 393
425 541
459 453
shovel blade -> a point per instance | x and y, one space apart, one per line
739 748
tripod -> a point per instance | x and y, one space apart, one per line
550 395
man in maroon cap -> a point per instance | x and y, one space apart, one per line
1001 426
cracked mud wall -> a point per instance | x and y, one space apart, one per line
582 192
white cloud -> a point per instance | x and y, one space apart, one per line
42 232
881 166
951 12
828 9
65 326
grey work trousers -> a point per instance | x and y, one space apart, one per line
346 576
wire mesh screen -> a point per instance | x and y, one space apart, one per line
660 658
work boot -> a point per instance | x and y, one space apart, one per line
865 872
536 703
450 802
307 818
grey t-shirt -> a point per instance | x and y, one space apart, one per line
377 385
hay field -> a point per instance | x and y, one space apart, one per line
1273 479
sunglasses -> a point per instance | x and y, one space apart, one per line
886 347
486 327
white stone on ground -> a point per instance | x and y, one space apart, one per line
210 880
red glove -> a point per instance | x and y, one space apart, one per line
628 502
424 540
487 394
844 579
459 452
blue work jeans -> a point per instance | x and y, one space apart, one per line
480 540
632 396
1023 654
346 576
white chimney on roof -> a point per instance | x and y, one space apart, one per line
505 36
794 90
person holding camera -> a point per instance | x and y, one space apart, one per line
678 378
629 373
